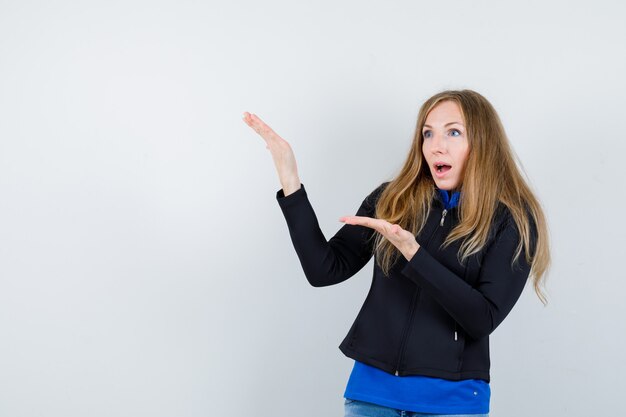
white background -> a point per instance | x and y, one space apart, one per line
145 266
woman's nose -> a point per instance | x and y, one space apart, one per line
438 143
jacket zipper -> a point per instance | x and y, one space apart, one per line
413 304
443 216
406 329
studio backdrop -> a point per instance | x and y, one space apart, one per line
145 266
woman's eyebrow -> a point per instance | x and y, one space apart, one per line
447 124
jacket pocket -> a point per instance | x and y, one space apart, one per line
436 341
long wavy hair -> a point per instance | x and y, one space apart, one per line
492 175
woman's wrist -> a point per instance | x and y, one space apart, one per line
291 186
412 250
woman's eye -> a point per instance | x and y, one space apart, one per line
426 134
455 130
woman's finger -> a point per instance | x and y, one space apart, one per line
377 224
380 225
260 126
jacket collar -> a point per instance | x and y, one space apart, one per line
448 200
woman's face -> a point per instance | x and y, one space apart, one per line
445 144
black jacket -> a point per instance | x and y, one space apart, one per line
432 315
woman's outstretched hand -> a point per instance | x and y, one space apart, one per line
400 238
283 156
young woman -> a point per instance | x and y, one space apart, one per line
455 236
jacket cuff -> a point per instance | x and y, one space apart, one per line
422 266
291 199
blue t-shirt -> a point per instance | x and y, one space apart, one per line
415 392
418 393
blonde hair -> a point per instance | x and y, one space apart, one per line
491 176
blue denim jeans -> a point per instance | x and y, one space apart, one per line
357 408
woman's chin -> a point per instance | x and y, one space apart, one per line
445 185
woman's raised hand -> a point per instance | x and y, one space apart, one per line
283 156
400 238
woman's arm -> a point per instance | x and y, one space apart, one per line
333 261
480 309
324 262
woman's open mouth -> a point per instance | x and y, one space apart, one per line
441 169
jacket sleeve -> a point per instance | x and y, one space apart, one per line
479 309
333 261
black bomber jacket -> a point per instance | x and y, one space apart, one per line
432 315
